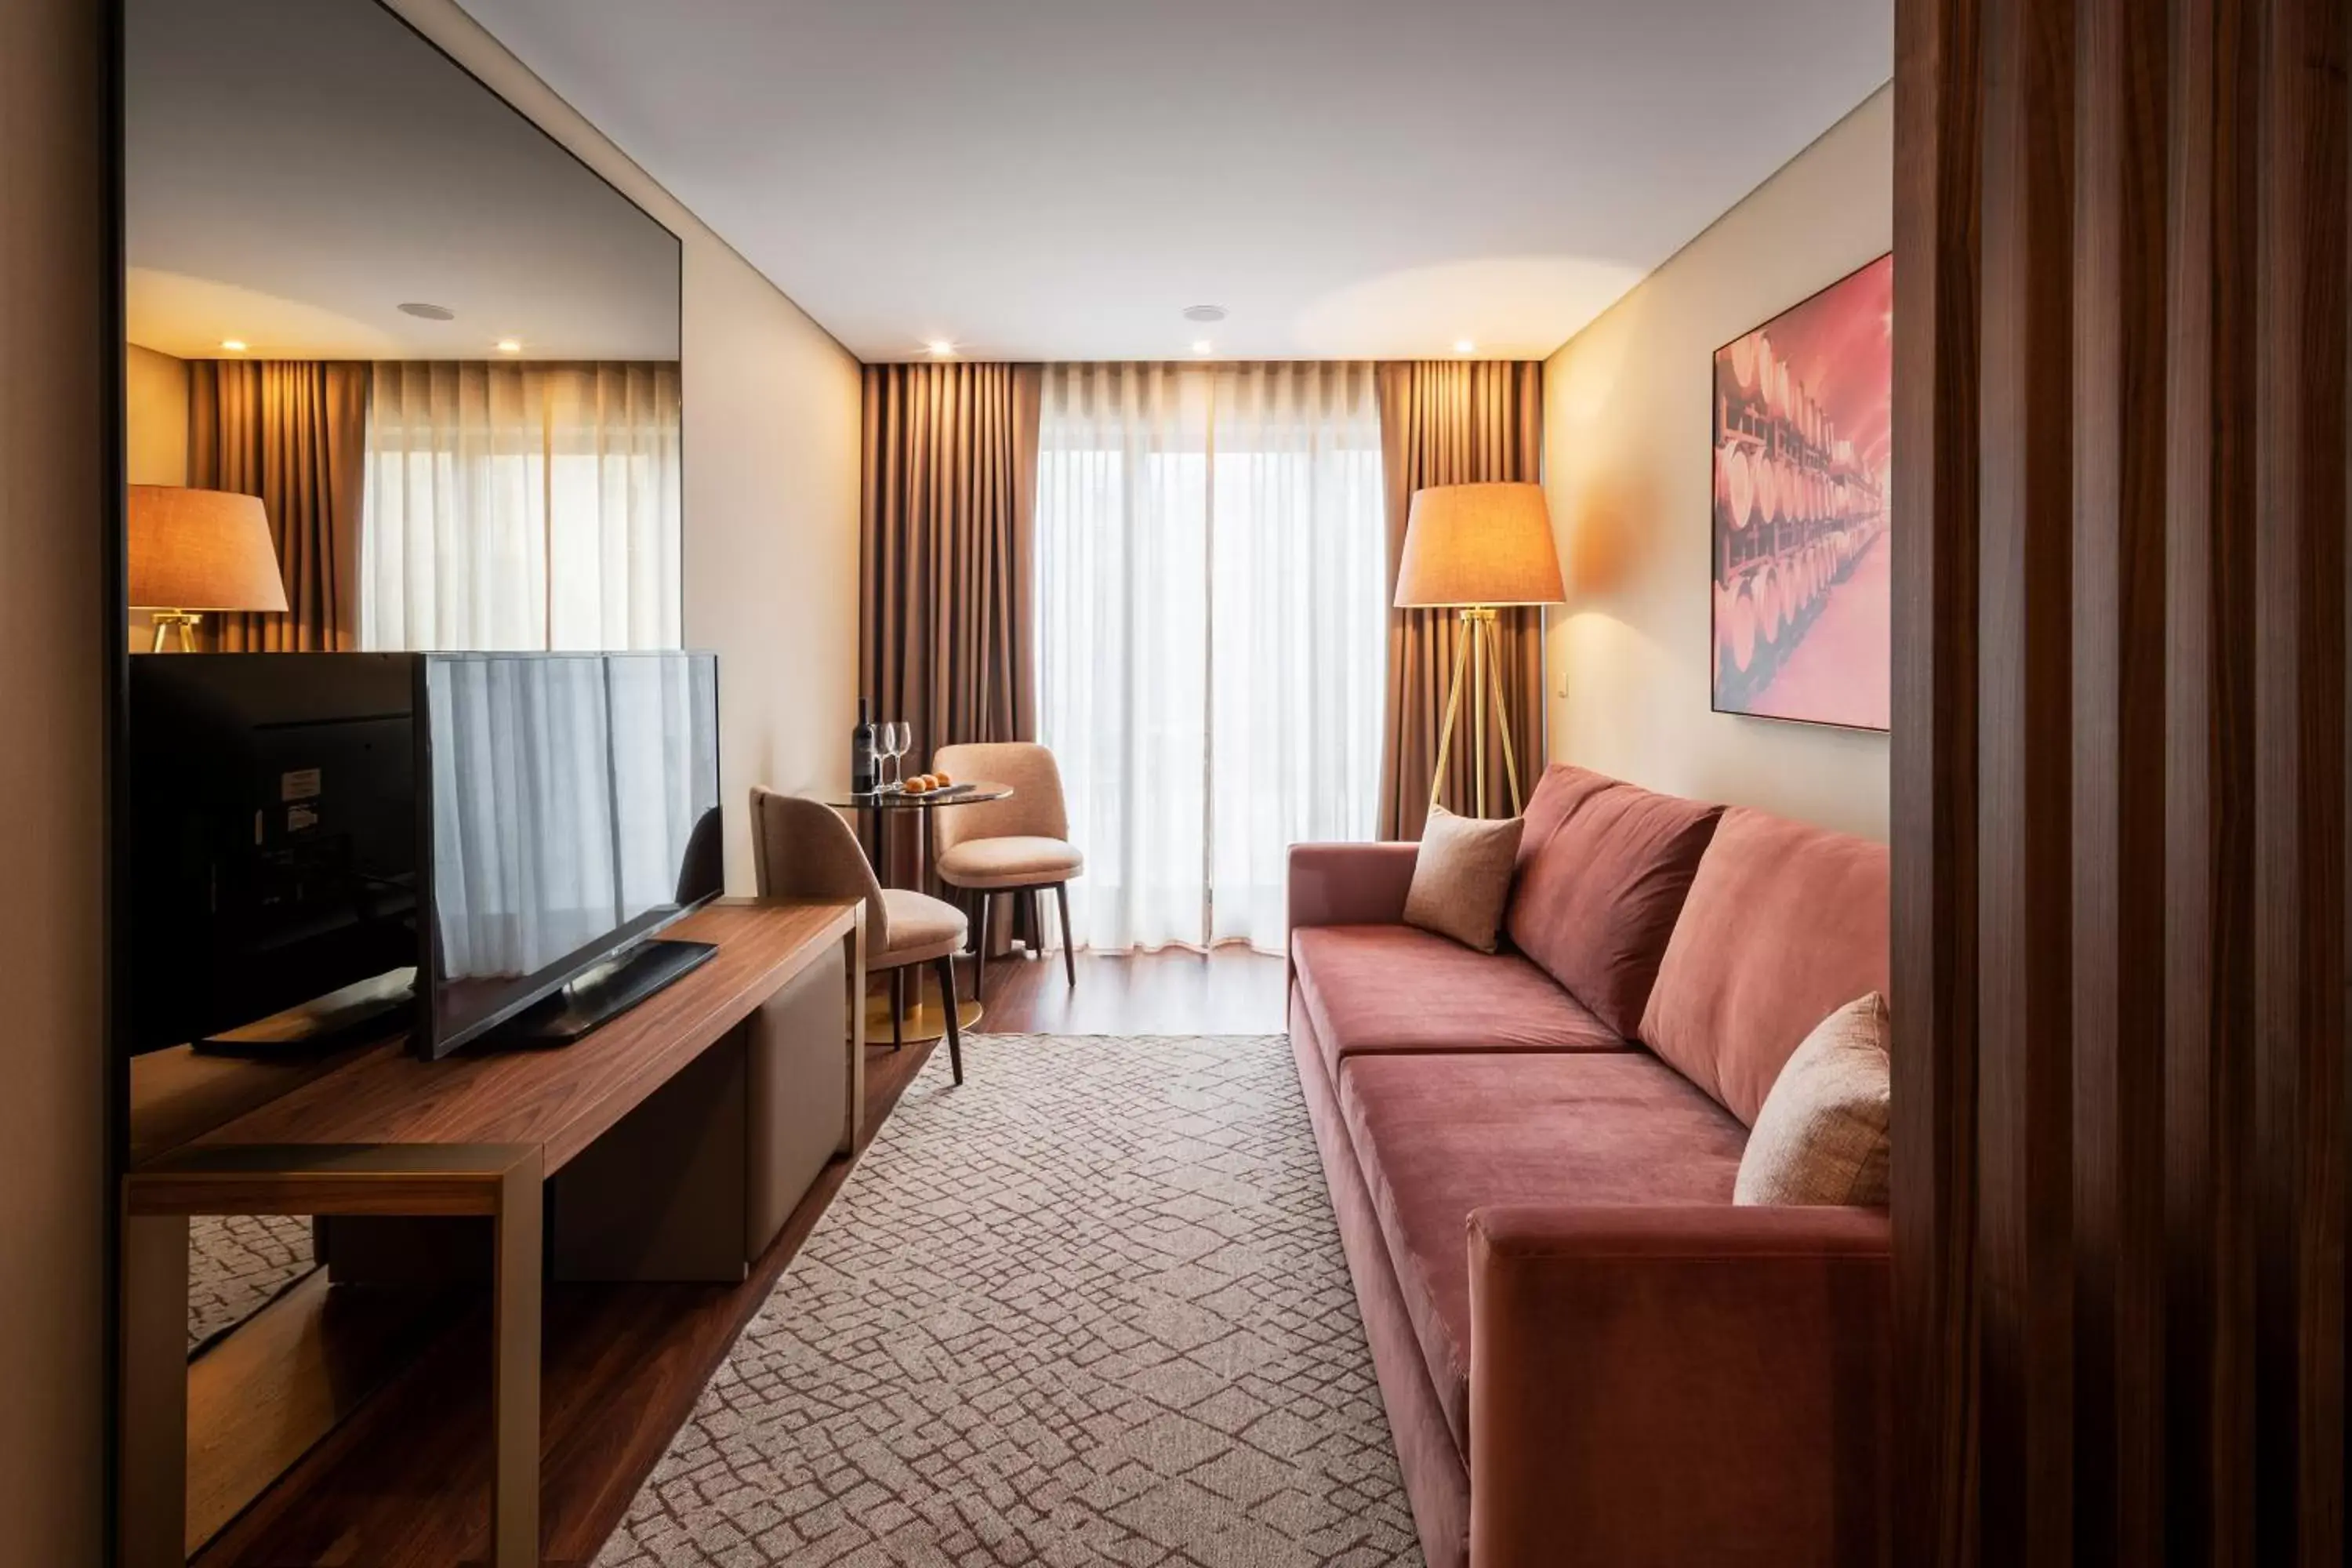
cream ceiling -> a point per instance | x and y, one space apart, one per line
296 170
1060 178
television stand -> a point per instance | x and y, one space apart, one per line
691 1124
599 994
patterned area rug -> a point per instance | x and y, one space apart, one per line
1088 1308
236 1263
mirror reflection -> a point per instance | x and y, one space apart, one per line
401 375
439 351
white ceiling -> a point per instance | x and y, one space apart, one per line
1058 179
295 171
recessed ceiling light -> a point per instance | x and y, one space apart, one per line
424 312
1205 313
940 348
233 345
509 345
1464 346
1203 347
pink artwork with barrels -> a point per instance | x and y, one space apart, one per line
1802 587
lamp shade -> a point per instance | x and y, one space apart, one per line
201 550
1479 544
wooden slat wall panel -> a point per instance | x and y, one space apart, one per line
2299 978
2024 779
2118 821
1935 495
2208 333
2121 891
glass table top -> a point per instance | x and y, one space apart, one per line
900 800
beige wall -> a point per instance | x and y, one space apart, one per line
52 417
154 418
772 477
1627 460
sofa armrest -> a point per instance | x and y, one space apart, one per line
1349 884
1679 1385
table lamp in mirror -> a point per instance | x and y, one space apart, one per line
193 551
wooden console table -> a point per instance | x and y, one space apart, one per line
380 1132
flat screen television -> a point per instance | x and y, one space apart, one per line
484 842
572 812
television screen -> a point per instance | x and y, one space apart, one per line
573 810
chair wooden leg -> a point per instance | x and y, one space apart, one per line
897 1007
1069 942
1037 922
955 1029
979 949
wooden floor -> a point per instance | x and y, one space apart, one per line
407 1480
1229 991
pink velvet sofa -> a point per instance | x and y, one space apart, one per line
1588 1353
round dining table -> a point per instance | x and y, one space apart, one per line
925 1018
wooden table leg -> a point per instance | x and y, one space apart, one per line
514 1368
853 950
152 1498
502 1182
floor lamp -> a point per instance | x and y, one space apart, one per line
1474 549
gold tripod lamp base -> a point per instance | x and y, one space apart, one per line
183 621
1476 652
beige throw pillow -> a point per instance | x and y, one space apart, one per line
1822 1136
1461 878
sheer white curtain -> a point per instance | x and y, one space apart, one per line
521 506
1211 633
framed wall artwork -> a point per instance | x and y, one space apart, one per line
1802 584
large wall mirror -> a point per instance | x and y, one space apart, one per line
401 373
440 351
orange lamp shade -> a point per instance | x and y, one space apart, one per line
201 550
1479 544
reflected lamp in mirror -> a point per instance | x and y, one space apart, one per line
198 551
1471 548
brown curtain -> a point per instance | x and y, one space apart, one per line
950 515
295 434
1450 422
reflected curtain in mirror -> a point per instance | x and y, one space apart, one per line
1453 423
522 506
293 433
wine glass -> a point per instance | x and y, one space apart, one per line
898 736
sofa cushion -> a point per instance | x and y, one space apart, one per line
1595 905
1785 923
1462 875
1386 989
1822 1136
1438 1136
1563 787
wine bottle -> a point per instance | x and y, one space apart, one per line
862 778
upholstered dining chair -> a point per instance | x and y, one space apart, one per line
1015 845
806 851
